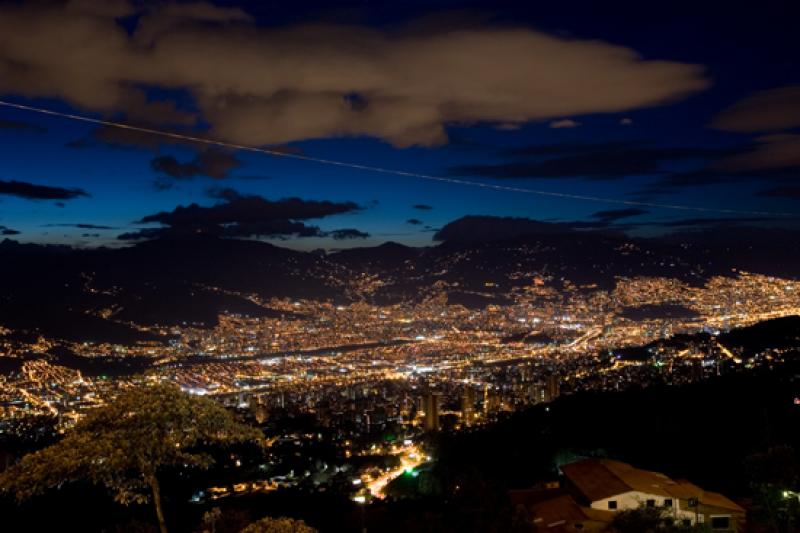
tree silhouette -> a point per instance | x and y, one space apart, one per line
650 520
125 444
775 482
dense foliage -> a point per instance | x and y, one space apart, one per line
125 444
278 525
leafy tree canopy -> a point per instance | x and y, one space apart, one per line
649 520
278 525
125 444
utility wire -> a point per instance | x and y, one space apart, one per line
370 168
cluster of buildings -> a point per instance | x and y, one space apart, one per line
362 371
374 379
478 362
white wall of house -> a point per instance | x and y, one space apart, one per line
629 500
635 499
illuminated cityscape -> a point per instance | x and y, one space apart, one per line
349 266
359 367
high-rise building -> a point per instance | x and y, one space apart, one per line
468 406
553 387
539 393
431 408
491 401
546 391
697 370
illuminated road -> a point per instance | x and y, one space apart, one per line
410 458
592 333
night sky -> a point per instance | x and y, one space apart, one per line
694 105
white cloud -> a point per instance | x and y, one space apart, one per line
258 85
564 123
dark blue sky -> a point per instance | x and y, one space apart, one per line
716 128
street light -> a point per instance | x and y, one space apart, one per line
361 500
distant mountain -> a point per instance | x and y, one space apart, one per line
66 293
474 229
63 293
388 255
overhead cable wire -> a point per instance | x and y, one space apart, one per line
382 170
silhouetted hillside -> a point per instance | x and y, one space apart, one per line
192 279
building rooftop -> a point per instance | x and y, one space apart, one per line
598 479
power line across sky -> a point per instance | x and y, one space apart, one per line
395 172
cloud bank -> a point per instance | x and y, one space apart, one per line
32 191
773 112
256 85
238 215
212 163
770 110
6 231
